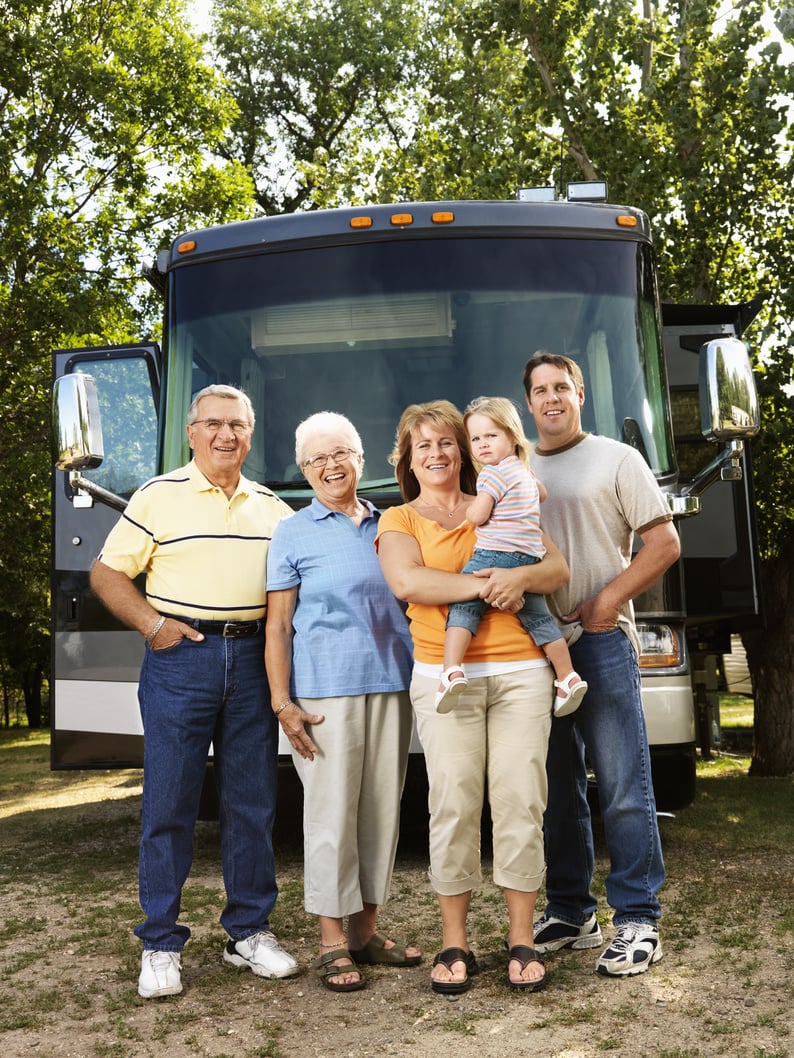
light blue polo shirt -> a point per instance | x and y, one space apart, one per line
350 634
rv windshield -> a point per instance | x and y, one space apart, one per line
367 328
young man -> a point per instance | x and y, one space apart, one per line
201 534
600 493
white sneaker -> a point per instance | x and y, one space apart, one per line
261 953
552 934
161 974
636 946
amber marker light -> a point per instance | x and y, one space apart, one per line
361 222
187 246
625 221
399 219
442 217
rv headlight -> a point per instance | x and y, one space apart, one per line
661 646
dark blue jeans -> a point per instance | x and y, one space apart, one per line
191 695
609 727
534 614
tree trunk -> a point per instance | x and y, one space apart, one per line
770 658
575 145
32 690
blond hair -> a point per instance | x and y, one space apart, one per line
505 414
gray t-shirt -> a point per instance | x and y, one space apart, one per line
600 492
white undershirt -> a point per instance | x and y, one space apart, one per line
480 669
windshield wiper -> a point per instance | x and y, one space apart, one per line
284 485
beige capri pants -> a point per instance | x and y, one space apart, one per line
351 799
498 732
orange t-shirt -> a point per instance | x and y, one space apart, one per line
500 636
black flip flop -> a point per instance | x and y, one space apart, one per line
523 954
448 957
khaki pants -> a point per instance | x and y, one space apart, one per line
351 800
498 732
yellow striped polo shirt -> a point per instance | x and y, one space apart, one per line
204 555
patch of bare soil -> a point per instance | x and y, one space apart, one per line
68 972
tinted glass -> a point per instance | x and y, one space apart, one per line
129 422
367 329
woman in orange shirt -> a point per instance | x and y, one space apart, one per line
500 726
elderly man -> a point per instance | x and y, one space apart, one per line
201 534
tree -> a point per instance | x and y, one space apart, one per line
107 110
710 96
110 117
686 111
312 81
684 108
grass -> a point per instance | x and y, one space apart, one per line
736 710
22 753
68 863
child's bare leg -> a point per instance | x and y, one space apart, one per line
570 685
456 643
558 654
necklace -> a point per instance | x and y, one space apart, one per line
438 507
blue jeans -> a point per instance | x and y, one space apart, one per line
610 727
190 695
534 614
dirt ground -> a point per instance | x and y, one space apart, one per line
72 963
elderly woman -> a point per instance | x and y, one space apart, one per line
499 730
338 656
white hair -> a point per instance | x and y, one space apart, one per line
230 392
325 422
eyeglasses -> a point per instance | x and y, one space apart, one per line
339 455
237 426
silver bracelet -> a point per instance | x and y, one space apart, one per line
283 706
151 636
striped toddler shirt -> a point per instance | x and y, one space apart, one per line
514 524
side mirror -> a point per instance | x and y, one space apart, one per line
728 397
76 424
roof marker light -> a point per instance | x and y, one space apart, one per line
187 246
537 194
442 217
587 191
398 219
361 222
625 221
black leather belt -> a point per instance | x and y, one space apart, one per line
228 629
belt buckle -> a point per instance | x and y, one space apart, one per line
232 632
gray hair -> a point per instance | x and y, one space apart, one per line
229 392
325 422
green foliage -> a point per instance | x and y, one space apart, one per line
773 449
108 111
117 133
683 107
313 81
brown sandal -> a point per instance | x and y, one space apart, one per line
326 969
375 953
